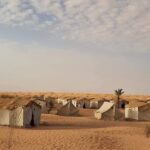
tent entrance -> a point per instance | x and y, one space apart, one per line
84 106
32 121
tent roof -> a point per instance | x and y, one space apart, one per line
105 107
141 105
135 104
15 102
68 109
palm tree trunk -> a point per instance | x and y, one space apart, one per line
118 99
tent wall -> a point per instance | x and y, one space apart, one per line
108 115
37 114
98 115
43 104
84 104
62 101
144 115
68 109
4 117
131 113
27 116
16 117
100 103
96 104
74 102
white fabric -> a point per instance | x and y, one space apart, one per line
4 117
105 107
131 113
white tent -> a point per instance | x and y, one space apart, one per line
62 101
22 113
68 109
138 111
74 102
106 111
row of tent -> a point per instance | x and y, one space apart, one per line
89 104
106 111
109 111
133 111
26 113
82 103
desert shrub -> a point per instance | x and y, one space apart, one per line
7 96
147 131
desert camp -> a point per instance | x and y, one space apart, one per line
74 74
70 121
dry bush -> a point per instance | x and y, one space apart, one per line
7 96
147 131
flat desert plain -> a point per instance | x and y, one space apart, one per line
81 132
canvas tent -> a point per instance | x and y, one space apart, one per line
75 103
83 103
62 101
106 111
138 111
68 109
95 104
44 105
22 113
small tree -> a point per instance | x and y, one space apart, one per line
118 93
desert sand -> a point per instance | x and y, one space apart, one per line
81 132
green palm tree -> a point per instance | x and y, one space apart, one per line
118 93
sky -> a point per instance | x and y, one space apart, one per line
75 45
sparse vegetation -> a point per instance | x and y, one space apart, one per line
118 93
7 96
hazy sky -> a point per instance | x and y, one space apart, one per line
75 45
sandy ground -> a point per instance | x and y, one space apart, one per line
81 132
